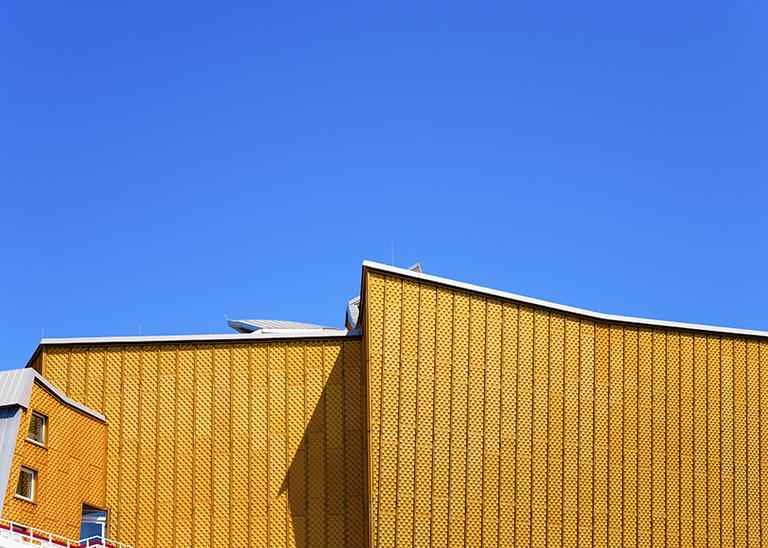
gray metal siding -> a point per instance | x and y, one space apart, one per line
10 418
16 387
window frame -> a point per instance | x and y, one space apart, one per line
104 524
44 418
33 485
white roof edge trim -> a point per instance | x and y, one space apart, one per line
561 307
65 399
259 335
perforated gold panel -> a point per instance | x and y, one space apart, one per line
70 468
258 444
490 423
536 428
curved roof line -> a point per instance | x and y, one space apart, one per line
560 307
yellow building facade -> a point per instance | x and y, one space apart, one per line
445 415
52 455
501 422
227 444
70 465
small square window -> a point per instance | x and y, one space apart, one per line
25 488
38 424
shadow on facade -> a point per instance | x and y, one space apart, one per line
324 482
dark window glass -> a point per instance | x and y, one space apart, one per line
37 426
25 488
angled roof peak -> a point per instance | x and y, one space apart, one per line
352 316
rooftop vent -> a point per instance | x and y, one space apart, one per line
353 313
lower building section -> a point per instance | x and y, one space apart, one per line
257 444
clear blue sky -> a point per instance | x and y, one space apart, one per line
164 164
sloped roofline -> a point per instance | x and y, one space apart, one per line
66 400
616 318
16 390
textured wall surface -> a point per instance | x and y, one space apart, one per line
253 444
70 470
497 424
